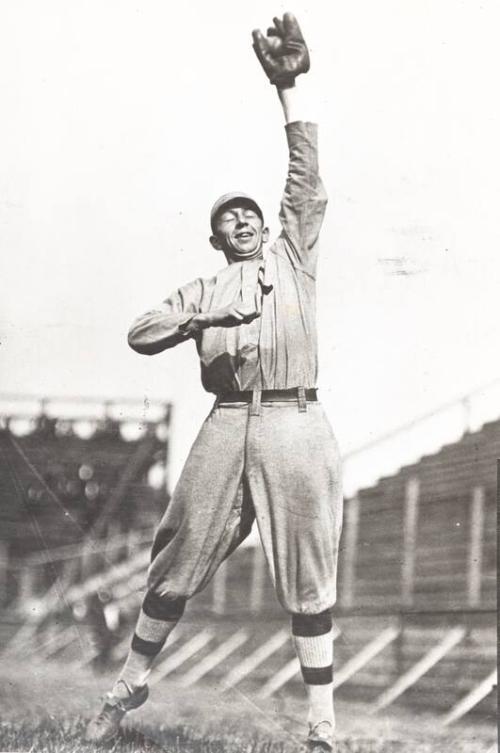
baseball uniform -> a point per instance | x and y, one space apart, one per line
275 461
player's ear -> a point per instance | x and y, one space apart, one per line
215 242
265 234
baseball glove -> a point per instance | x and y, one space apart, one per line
283 52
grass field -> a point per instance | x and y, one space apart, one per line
45 708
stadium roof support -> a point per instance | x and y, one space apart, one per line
280 678
257 657
358 661
185 652
412 492
471 699
409 678
475 546
350 551
217 656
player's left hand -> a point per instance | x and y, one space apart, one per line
283 52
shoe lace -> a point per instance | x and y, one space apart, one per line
322 729
110 704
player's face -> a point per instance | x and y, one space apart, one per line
239 233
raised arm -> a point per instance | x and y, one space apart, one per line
283 55
304 198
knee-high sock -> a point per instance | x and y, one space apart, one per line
313 641
157 619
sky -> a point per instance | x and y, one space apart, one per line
123 121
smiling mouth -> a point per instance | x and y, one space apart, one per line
244 236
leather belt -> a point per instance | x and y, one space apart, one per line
268 396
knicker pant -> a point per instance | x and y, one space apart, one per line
282 468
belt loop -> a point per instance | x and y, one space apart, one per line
255 407
301 397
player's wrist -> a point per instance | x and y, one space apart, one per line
283 84
201 321
194 324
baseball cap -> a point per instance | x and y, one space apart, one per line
233 198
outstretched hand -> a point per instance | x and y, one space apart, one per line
283 52
229 316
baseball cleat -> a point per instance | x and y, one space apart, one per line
320 738
104 726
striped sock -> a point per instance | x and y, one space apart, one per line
313 641
157 619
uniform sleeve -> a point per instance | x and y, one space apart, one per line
304 200
167 325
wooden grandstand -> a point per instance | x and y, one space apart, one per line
76 499
416 617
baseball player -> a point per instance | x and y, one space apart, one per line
266 452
